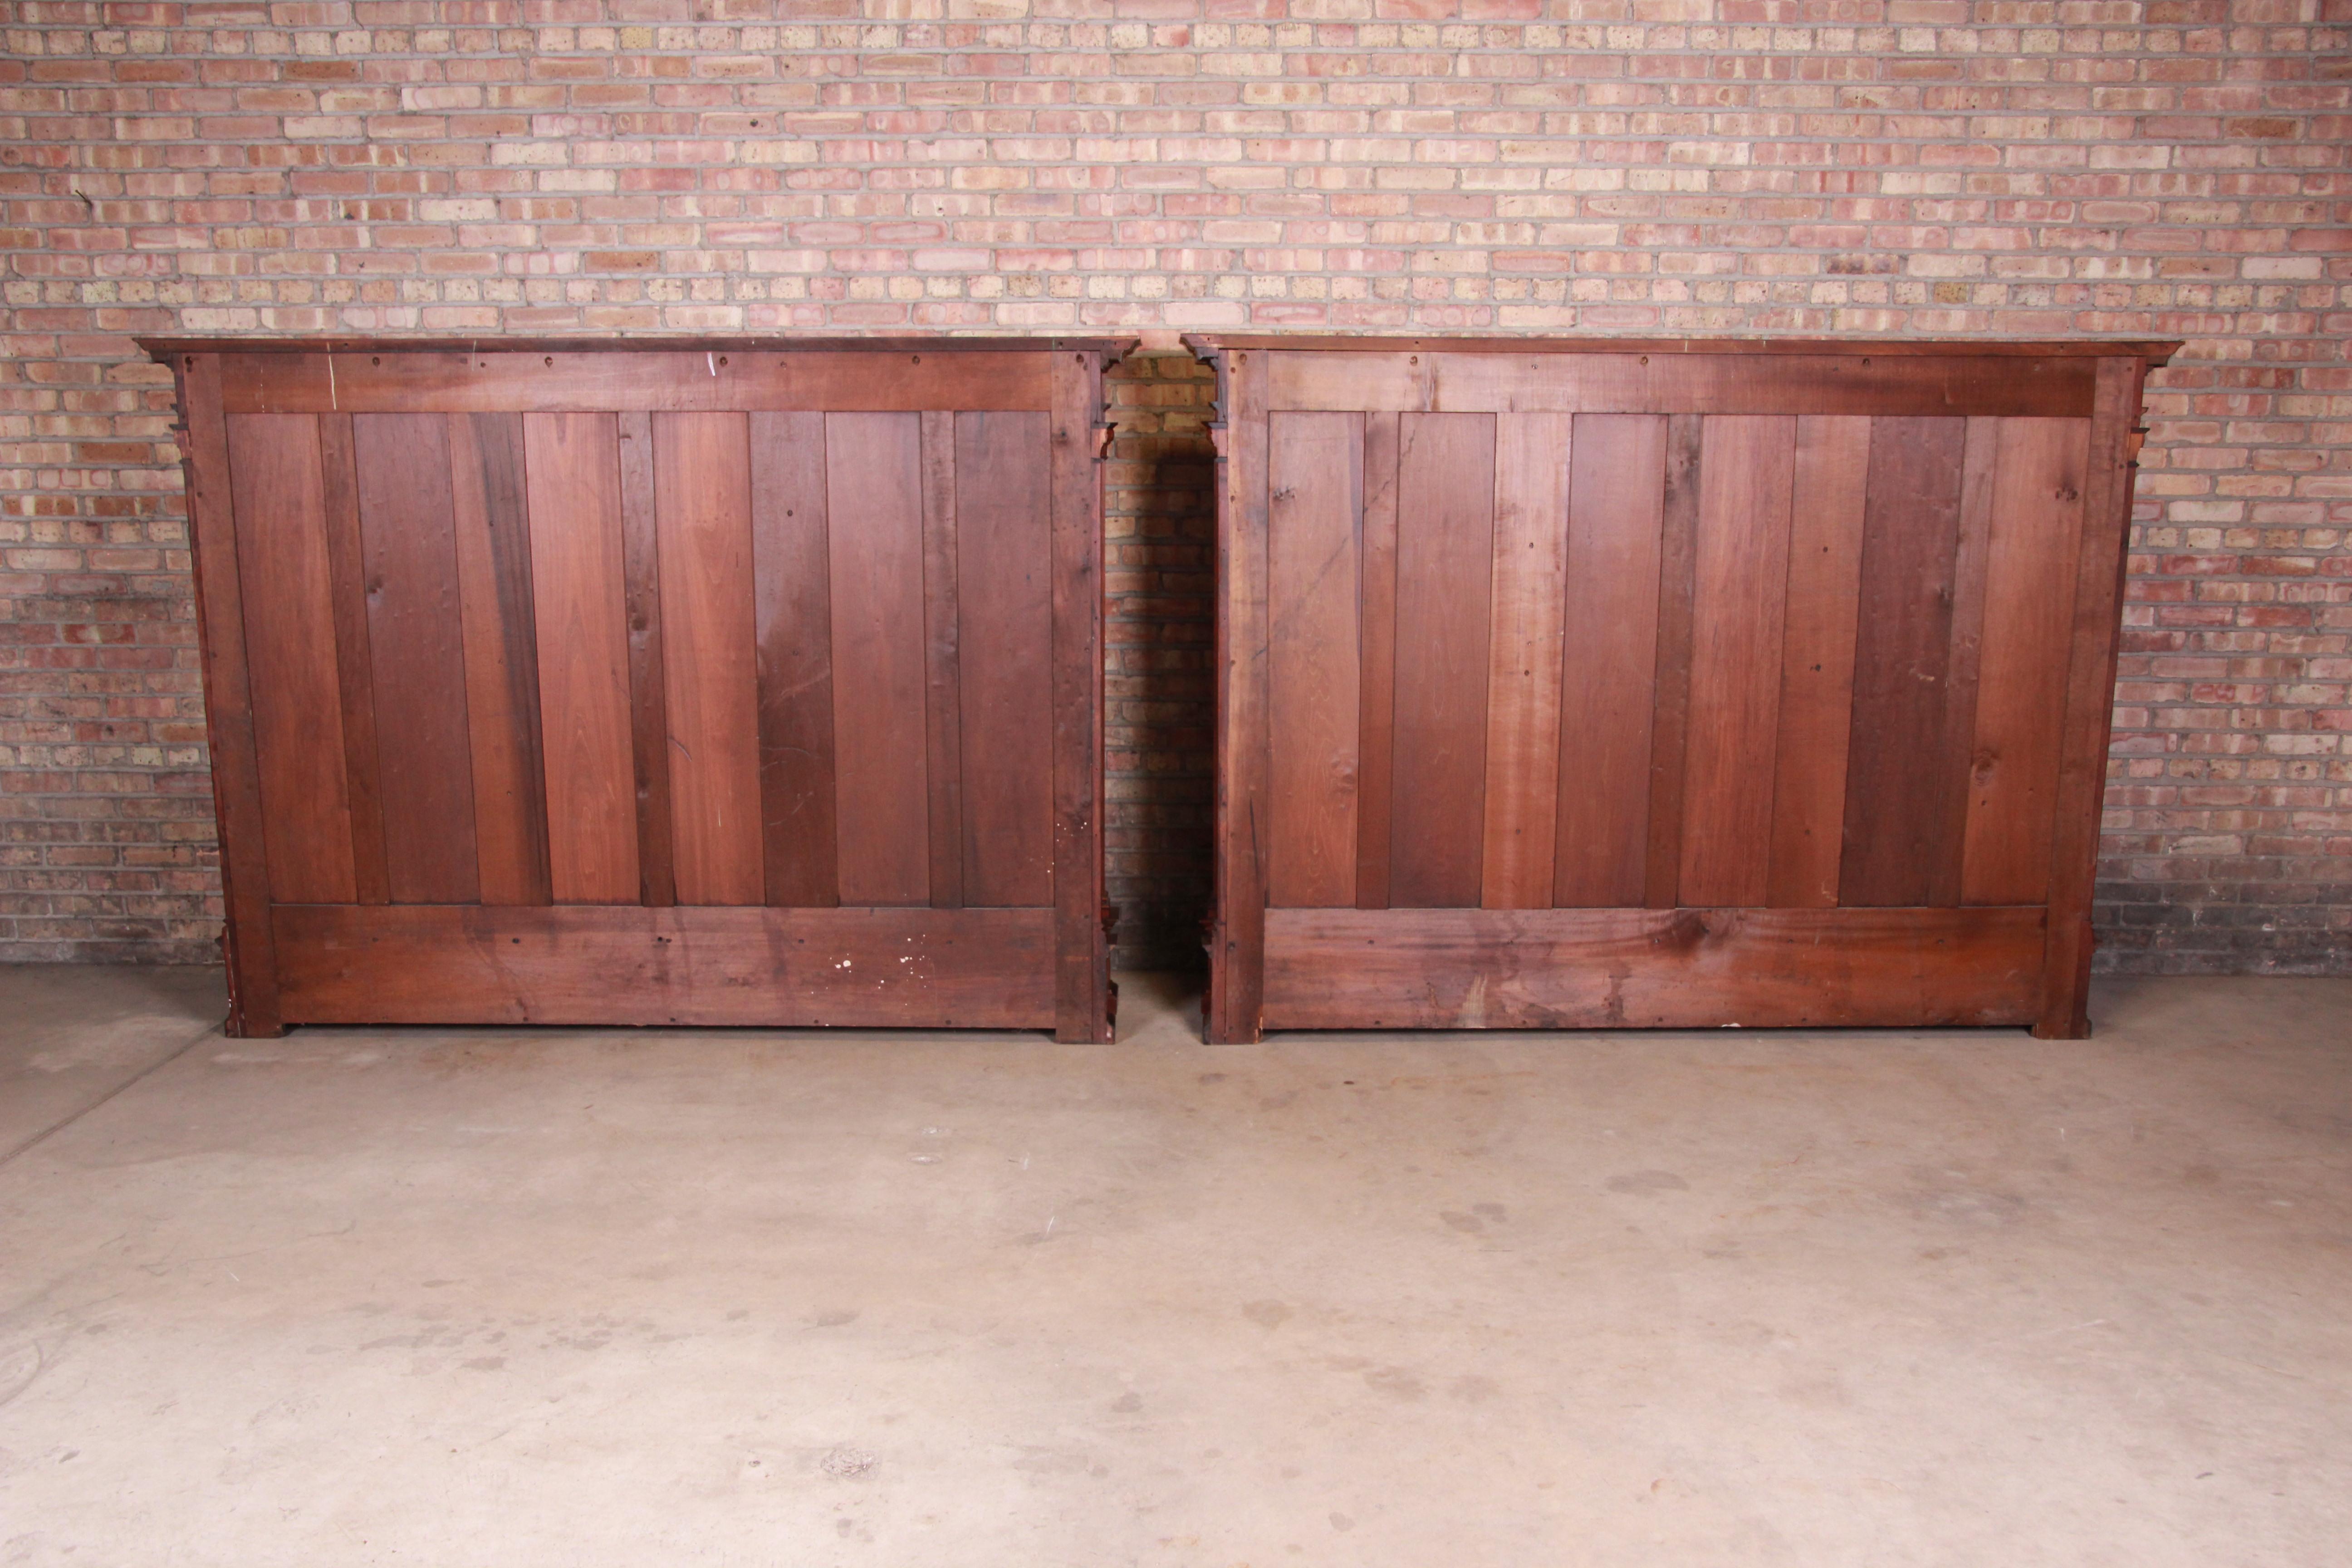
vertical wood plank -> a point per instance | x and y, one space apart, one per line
246 939
487 488
1532 457
1376 699
702 512
1313 664
1817 660
355 679
2029 603
1609 659
875 536
408 540
1971 556
1446 560
1235 1010
649 746
1081 944
580 624
2090 697
1899 779
1738 606
1004 543
793 584
289 641
1670 720
942 676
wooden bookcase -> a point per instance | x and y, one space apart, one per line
747 682
1612 684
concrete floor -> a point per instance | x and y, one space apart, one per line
468 1298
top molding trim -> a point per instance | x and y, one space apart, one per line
2153 352
159 349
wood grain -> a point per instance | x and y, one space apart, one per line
2028 607
1084 996
649 747
1670 714
354 667
1900 780
792 587
1609 659
2090 699
744 967
1832 466
1613 969
1445 544
245 942
875 538
1237 929
281 543
1313 656
552 379
495 598
580 625
1376 694
1523 678
416 634
702 510
1005 569
1457 379
942 665
1739 609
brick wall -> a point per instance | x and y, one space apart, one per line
2176 168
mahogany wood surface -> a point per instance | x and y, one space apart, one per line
881 745
1004 564
1670 715
457 963
2020 709
1315 464
282 559
1445 563
354 664
587 683
1083 997
487 481
246 941
1651 969
693 381
942 661
2090 698
702 512
1608 627
1708 683
580 618
1899 847
1832 466
1739 591
1528 601
649 744
1376 687
792 574
408 540
1231 1012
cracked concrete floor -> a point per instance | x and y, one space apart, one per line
480 1297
